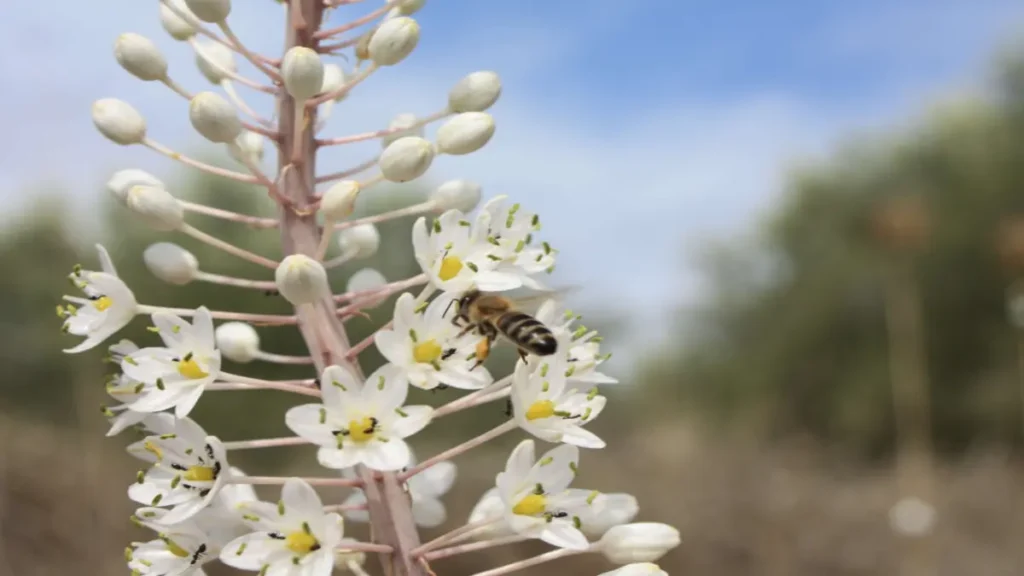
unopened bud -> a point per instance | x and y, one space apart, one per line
410 7
639 542
403 125
302 72
393 41
118 121
156 206
171 263
476 92
464 134
214 117
212 11
179 28
123 180
140 57
248 145
334 78
215 61
365 280
237 341
461 195
360 241
301 280
339 200
406 159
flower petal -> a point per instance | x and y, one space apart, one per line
298 494
564 535
188 401
434 481
391 346
250 551
339 388
387 456
583 438
415 419
304 420
339 459
428 512
385 390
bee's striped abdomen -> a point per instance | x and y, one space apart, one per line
528 333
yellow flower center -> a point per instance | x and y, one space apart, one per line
190 369
199 474
301 542
532 505
450 267
362 430
178 551
102 303
427 352
540 409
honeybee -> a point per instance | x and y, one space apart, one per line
492 315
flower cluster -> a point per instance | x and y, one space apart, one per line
202 508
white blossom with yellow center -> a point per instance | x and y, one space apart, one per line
293 537
124 391
579 346
426 347
180 549
188 470
108 305
361 422
512 231
177 373
545 407
537 501
456 255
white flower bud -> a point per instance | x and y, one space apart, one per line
403 123
247 145
171 263
156 206
122 181
393 41
461 195
212 11
339 200
237 341
912 517
410 7
476 92
179 28
637 569
364 280
214 117
118 121
302 72
613 510
334 78
140 57
465 133
363 45
214 61
301 280
360 241
639 542
406 159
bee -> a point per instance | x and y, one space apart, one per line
492 315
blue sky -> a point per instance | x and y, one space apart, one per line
636 128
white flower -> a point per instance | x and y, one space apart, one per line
511 230
637 569
237 341
293 538
124 390
360 423
538 502
425 491
489 507
580 348
639 542
180 550
426 346
177 373
108 306
189 469
543 407
608 511
457 256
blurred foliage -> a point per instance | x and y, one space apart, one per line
791 338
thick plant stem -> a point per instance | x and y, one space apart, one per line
389 507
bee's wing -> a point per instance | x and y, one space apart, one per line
531 301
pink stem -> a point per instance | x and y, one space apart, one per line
239 282
344 507
223 172
265 443
257 319
386 290
464 447
230 74
272 480
517 566
255 60
346 173
229 248
454 535
352 83
475 546
473 399
365 547
366 342
282 358
382 133
390 215
320 35
251 221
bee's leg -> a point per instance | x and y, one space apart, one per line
483 349
522 354
466 330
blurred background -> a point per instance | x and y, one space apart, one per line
799 226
